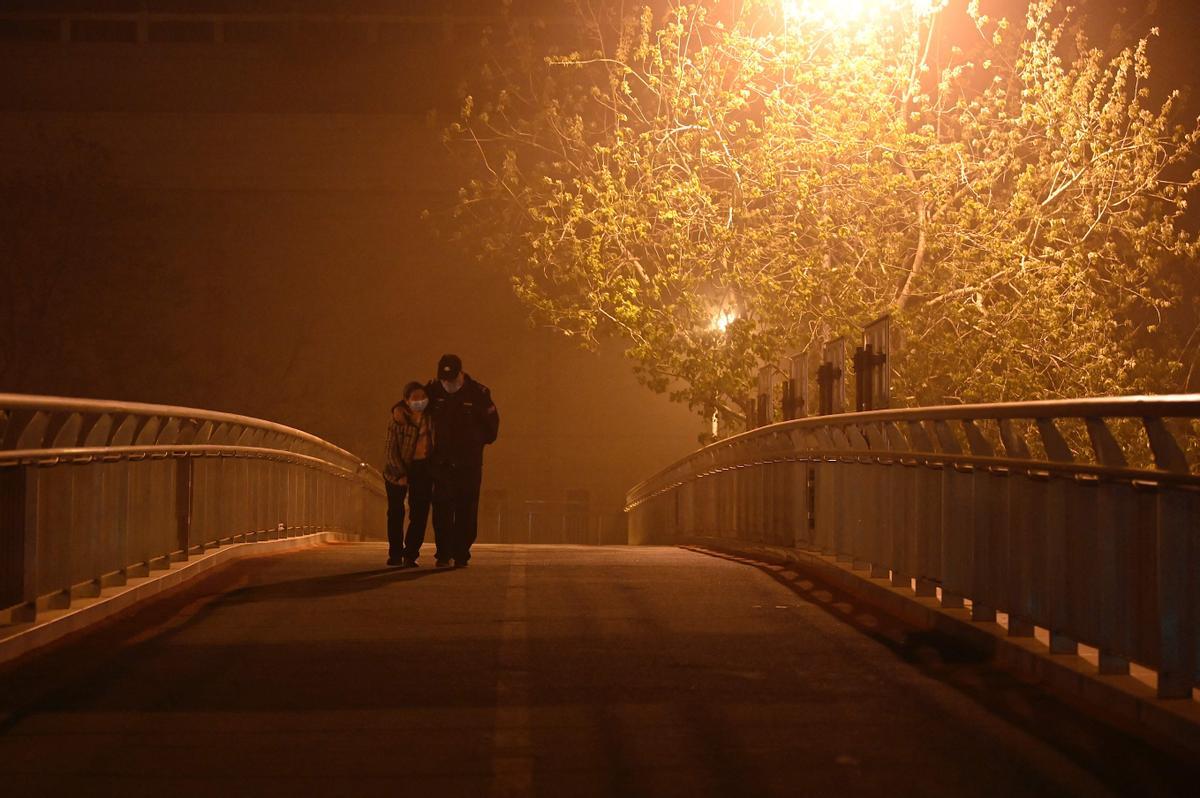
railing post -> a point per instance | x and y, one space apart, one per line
19 538
1176 557
957 524
810 493
1116 522
364 510
184 472
1057 549
1176 553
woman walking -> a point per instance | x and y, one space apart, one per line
407 474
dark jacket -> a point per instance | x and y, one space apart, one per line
463 422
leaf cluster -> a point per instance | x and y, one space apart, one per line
719 187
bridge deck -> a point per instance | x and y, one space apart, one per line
548 670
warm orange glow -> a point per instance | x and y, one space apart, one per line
723 319
841 13
831 11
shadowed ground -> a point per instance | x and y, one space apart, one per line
556 671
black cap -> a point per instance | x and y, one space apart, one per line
449 367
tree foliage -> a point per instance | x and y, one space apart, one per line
725 184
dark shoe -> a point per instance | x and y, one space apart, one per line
460 563
410 563
442 563
396 561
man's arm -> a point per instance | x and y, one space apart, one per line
491 418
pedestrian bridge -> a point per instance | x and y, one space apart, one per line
801 641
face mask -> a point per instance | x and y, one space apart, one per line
418 405
451 386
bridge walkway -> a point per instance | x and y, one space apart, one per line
557 671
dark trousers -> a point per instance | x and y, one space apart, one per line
456 509
419 492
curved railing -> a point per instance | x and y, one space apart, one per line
94 492
1080 517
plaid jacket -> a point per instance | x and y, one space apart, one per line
401 444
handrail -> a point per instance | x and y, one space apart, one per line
1154 407
192 419
94 488
965 462
85 455
1075 516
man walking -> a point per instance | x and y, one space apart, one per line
464 421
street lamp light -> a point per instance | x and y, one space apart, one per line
842 13
723 318
829 12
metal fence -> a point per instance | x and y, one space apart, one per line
93 493
1079 517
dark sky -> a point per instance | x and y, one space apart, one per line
1174 54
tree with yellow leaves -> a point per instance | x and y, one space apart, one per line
729 183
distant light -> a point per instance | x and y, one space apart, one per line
723 319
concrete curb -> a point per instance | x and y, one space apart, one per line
53 625
1123 698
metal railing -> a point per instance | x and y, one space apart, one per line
1079 517
94 492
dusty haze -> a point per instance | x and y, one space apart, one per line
253 243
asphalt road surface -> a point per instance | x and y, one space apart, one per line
554 671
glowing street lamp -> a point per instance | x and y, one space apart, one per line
842 13
723 318
835 12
